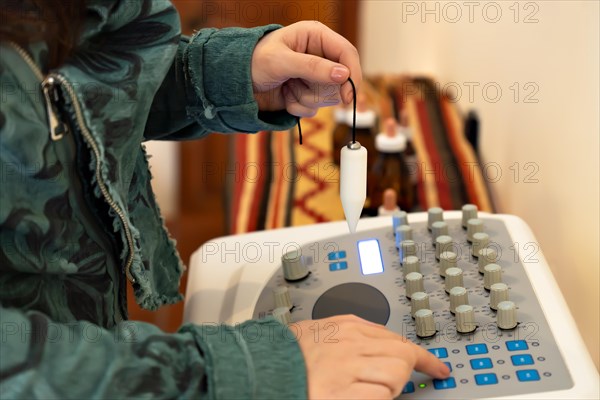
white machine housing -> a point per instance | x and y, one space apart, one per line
228 274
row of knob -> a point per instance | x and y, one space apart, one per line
465 319
436 215
454 286
443 243
492 273
421 309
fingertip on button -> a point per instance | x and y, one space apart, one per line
444 371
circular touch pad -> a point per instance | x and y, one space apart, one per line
353 298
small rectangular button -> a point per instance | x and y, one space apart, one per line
448 365
481 363
338 266
486 379
409 388
516 345
440 352
336 255
522 359
478 348
440 384
527 375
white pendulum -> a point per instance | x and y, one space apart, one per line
353 182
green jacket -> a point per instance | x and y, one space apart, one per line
78 217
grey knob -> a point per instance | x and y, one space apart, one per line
447 260
474 225
282 297
399 218
403 232
465 319
480 242
454 277
419 301
442 243
425 323
507 315
486 256
407 248
492 273
411 264
469 211
434 214
414 283
458 297
282 314
294 266
498 294
438 228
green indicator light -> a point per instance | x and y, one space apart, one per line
422 385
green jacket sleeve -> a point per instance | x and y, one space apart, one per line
210 83
43 359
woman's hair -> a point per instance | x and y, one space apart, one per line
56 22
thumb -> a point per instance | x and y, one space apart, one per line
313 69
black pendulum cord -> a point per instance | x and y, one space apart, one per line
353 116
299 129
354 113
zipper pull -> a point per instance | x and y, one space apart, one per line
57 128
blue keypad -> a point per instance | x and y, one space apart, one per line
338 266
481 363
516 345
440 352
409 387
486 379
527 375
336 255
448 365
440 384
521 359
479 348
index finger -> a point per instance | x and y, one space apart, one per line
429 364
338 48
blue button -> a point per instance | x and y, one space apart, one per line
440 384
338 266
516 345
486 379
522 359
448 365
440 352
481 363
479 348
336 255
409 388
526 375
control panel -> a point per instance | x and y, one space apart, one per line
463 285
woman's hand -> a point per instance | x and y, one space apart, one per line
347 357
303 67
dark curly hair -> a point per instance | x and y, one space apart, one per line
56 22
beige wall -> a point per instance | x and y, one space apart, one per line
553 124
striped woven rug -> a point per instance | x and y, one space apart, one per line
273 182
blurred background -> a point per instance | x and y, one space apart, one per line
527 75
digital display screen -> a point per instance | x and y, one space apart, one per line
370 257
